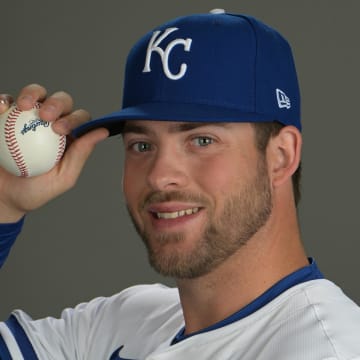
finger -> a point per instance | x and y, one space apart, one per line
56 105
75 157
29 95
67 123
5 101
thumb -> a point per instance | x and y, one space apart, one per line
78 152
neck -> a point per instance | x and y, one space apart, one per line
268 257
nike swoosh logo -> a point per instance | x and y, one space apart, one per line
116 355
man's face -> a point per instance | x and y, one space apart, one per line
196 192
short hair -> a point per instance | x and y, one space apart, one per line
263 132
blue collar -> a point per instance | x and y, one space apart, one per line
307 273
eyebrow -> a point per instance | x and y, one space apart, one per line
177 127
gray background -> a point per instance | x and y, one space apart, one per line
82 244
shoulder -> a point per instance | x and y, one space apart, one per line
322 315
312 320
133 305
104 322
130 305
330 305
135 299
146 297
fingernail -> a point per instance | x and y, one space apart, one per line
4 104
5 99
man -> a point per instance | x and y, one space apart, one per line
212 137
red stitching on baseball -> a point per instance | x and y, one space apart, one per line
12 143
61 148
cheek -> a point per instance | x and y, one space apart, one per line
222 176
132 183
215 175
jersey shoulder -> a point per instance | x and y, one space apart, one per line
139 301
98 327
321 318
313 320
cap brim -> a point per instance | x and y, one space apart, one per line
114 122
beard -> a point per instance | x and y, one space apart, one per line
244 213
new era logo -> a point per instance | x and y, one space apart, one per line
282 99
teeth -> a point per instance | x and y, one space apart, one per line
176 214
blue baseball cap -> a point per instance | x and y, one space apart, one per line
215 67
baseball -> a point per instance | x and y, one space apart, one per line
28 145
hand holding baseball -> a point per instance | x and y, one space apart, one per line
20 194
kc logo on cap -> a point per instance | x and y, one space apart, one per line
154 45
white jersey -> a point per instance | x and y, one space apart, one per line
313 320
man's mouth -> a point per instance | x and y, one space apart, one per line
176 214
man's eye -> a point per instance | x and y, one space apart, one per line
141 146
203 141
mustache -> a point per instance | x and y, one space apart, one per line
161 196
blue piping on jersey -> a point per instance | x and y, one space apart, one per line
307 273
116 354
4 352
21 338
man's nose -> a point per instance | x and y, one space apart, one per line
168 171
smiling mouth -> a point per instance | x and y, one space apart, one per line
176 214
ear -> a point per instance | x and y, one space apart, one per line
284 154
